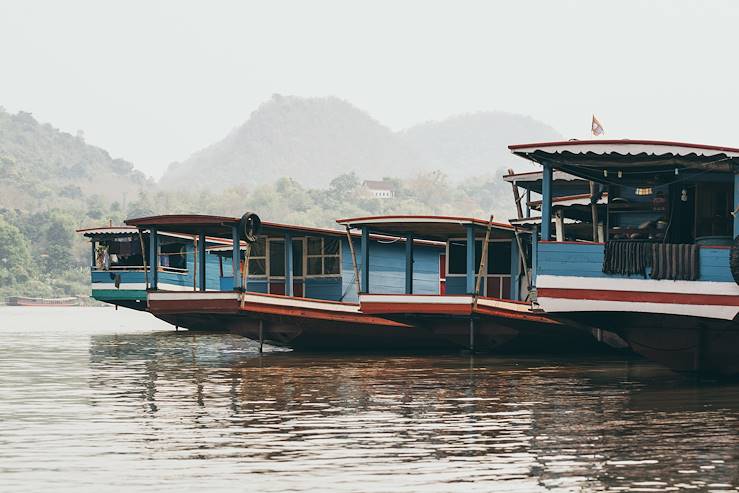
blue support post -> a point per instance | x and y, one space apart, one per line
528 199
470 259
736 204
202 260
288 265
546 203
364 267
153 259
236 258
409 263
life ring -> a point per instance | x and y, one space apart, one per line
249 227
734 260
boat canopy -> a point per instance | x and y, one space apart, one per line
532 181
217 226
436 228
632 161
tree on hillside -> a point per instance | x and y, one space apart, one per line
16 266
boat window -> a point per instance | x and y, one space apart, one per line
119 253
277 258
314 246
324 256
713 206
297 258
258 257
499 257
457 257
173 255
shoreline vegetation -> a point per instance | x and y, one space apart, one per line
42 256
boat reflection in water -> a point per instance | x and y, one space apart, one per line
288 421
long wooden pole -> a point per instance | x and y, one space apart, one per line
354 259
516 196
483 262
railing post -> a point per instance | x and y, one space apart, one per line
153 258
236 258
546 203
470 259
364 277
409 263
202 259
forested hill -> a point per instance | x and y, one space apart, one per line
313 140
43 167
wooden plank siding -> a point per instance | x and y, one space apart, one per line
387 269
586 260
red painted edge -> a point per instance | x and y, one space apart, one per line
639 296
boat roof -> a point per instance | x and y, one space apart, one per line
563 182
108 232
216 225
581 199
634 158
436 228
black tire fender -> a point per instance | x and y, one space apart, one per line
249 227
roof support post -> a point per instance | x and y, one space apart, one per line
546 203
202 260
236 258
528 199
736 205
153 258
409 263
94 257
470 259
289 264
364 245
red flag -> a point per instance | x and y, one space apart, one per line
596 127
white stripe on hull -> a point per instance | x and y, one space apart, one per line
565 305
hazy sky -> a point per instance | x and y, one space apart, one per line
153 82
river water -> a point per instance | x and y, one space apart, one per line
93 399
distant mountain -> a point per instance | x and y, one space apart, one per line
313 140
42 167
475 144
